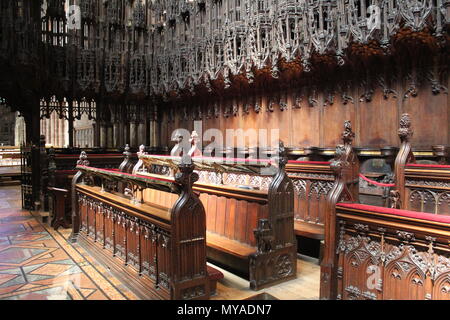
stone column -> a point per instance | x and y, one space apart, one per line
126 134
58 131
53 129
154 139
62 132
68 137
103 134
142 127
133 134
48 130
116 135
122 137
109 136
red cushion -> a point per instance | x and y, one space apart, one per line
442 166
214 274
403 213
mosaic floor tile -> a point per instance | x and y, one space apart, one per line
58 293
51 269
10 229
38 263
18 255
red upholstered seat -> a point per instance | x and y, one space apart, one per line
431 166
403 213
214 274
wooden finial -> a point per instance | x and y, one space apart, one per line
405 131
348 135
126 165
282 155
141 150
127 152
83 159
338 161
186 175
177 150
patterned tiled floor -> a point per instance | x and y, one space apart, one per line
37 263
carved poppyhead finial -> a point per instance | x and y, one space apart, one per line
186 176
127 152
405 131
348 135
141 150
338 162
83 159
282 155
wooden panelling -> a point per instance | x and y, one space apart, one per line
375 117
428 112
378 121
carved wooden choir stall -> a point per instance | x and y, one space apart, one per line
159 250
400 252
249 207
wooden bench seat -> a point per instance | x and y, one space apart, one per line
309 230
228 245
